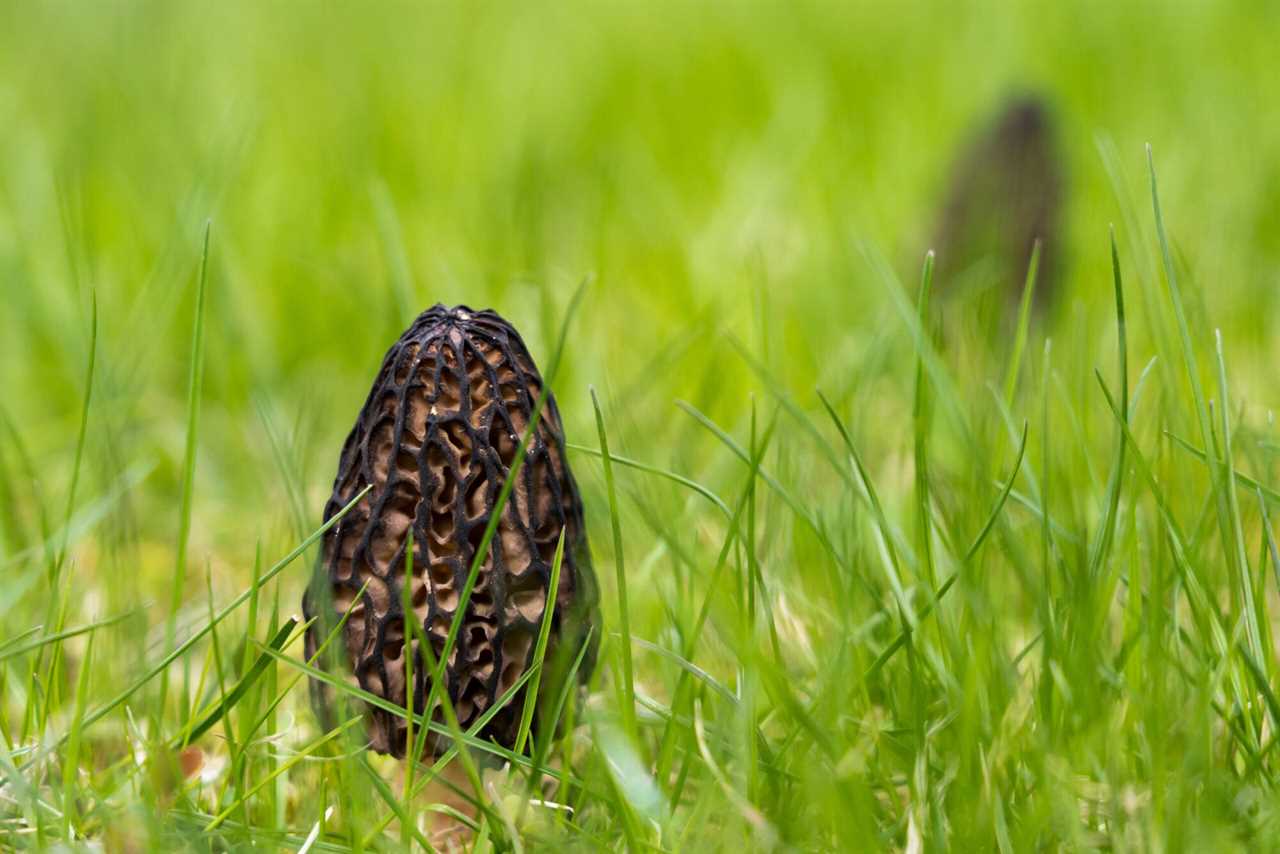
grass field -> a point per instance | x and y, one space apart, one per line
901 573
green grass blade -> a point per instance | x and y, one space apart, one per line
688 483
1024 323
195 379
540 649
883 658
1103 544
210 719
82 435
627 678
305 753
107 708
13 651
920 421
1249 605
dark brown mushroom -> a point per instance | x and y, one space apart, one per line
1005 192
437 438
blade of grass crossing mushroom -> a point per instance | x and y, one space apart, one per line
540 649
452 726
627 681
508 484
448 756
901 639
409 819
414 632
542 746
451 753
1024 322
398 711
195 378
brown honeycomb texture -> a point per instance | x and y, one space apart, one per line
436 439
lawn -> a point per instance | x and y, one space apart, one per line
912 562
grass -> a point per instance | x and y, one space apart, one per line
886 561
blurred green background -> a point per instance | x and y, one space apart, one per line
360 164
729 178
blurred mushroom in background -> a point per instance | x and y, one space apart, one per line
1005 192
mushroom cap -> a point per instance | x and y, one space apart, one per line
1006 191
436 439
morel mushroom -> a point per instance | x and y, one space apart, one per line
1005 194
437 439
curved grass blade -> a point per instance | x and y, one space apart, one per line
901 639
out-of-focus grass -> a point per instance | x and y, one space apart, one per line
750 190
